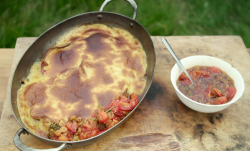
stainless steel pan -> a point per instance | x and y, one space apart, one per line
49 38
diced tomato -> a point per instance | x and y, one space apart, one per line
82 136
220 100
124 106
88 134
196 74
133 96
215 69
102 117
216 92
72 127
123 98
210 86
63 138
55 137
68 125
86 126
115 107
118 113
183 76
112 123
94 132
111 115
116 118
232 91
133 103
91 122
204 73
102 131
69 135
187 81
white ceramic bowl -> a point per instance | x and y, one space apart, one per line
207 61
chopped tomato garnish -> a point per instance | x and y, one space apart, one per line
115 107
72 127
102 117
196 74
112 123
55 137
94 132
187 81
232 91
86 126
124 106
82 136
220 100
210 86
134 96
134 103
216 92
119 113
183 76
215 69
204 73
63 138
102 131
123 98
101 120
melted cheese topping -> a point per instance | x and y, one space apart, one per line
89 66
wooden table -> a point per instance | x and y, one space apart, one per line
162 122
6 56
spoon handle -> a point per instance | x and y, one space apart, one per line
165 42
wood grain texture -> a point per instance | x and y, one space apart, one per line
6 56
162 122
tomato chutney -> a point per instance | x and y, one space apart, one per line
212 85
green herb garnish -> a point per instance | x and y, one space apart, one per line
109 109
55 126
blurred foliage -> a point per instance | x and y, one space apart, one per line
29 18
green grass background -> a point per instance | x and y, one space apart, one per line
30 18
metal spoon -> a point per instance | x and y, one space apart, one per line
165 42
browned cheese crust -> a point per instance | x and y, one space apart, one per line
89 66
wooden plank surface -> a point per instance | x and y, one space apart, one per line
6 56
162 122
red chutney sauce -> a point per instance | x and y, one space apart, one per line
212 85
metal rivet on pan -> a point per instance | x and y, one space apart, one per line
131 25
25 132
99 17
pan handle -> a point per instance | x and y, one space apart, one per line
19 144
132 2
